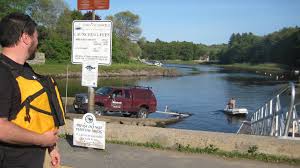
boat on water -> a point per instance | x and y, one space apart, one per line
235 111
151 62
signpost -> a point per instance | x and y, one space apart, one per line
91 46
91 42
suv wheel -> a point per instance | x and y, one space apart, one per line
142 113
99 110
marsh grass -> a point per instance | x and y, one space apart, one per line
53 69
267 67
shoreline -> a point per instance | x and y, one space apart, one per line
125 73
268 68
276 71
117 70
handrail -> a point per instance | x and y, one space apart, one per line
270 120
286 130
273 97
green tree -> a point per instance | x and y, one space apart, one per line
126 25
56 49
160 50
55 42
118 53
64 24
281 47
46 12
9 6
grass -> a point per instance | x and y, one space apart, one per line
213 150
147 144
268 67
52 69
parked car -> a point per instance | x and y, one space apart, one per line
136 100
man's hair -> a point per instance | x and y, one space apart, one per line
12 27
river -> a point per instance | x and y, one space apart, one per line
203 94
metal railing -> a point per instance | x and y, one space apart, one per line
273 120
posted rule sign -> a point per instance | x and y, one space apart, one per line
89 75
92 41
88 132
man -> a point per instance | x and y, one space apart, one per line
231 103
28 113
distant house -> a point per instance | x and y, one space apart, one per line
204 58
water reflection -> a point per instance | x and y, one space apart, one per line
204 94
235 119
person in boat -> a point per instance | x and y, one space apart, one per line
231 103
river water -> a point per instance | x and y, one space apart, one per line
203 94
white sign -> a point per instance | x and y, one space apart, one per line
88 132
92 41
116 104
89 75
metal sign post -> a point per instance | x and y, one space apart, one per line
91 42
91 90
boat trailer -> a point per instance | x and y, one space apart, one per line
175 114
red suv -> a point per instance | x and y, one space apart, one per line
136 100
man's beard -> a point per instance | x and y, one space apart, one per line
31 51
31 56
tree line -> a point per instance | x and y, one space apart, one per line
55 19
175 50
281 47
55 34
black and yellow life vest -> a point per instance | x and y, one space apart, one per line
41 107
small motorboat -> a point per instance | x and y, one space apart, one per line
235 111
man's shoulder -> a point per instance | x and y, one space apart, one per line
5 73
4 69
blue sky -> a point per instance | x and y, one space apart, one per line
206 21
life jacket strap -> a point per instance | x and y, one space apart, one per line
40 110
29 99
27 105
27 117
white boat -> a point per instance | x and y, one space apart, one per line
158 63
236 111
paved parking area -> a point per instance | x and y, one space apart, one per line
123 156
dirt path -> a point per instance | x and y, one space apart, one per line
123 156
